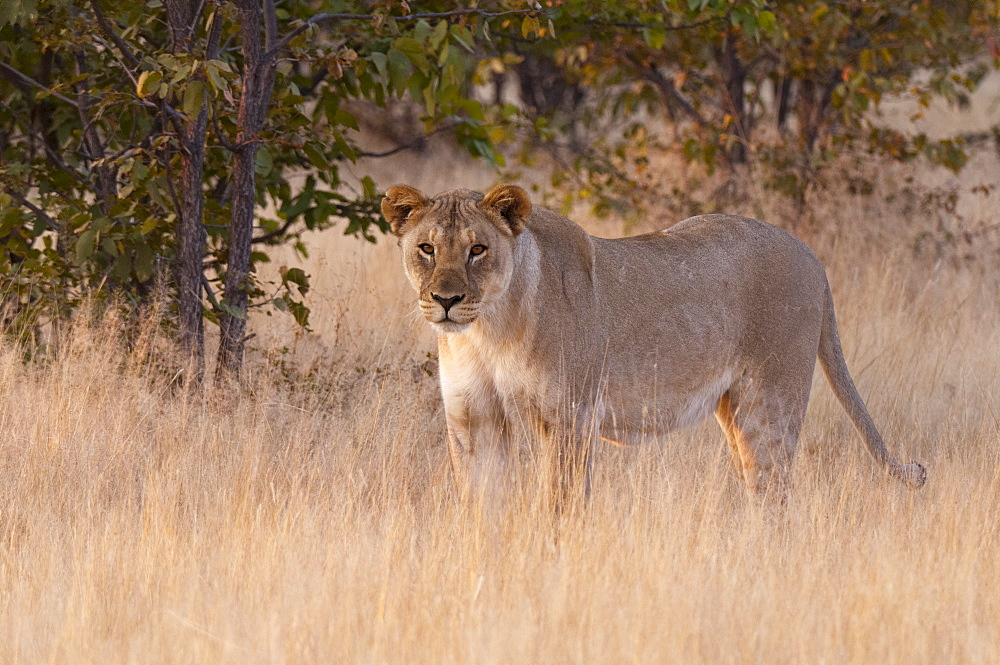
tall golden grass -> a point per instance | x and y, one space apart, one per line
311 519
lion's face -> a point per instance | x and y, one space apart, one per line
458 253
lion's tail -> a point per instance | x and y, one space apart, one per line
831 357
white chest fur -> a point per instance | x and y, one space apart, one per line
476 371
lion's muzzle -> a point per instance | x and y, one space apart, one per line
449 312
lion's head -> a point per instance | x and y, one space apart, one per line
458 247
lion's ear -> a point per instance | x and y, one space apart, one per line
510 203
397 205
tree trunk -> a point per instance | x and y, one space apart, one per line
258 82
734 98
182 17
191 243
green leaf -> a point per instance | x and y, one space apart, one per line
429 103
316 156
85 245
143 262
655 38
298 277
263 162
148 82
439 33
345 118
463 37
149 225
300 312
421 31
766 21
234 312
408 45
400 70
381 65
368 187
194 98
215 78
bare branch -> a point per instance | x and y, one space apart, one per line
193 26
178 208
409 144
30 81
106 28
325 18
49 152
228 145
41 214
277 232
128 72
646 26
270 28
665 84
212 49
209 293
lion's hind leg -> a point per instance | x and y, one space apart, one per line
763 433
724 414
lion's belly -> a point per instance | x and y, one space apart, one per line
633 413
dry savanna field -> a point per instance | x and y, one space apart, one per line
312 519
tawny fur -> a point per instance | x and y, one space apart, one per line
576 339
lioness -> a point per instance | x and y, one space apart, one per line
542 327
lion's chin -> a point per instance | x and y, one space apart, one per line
449 326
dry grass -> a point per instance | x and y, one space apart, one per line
312 520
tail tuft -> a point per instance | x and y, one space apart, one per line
913 475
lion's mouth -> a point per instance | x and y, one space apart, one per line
455 319
447 325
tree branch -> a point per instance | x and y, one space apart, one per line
212 49
193 26
30 81
324 18
409 144
665 84
128 72
651 26
49 152
277 232
106 28
228 145
270 29
51 223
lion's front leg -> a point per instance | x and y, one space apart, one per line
570 444
480 449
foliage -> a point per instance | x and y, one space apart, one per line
99 110
123 127
789 84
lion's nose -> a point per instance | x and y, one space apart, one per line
447 303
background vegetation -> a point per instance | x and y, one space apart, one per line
308 516
150 148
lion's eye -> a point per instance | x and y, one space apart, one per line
477 250
427 249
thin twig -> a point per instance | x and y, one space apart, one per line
645 26
226 143
323 18
668 89
209 293
407 146
51 223
30 81
105 25
179 210
128 72
52 154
